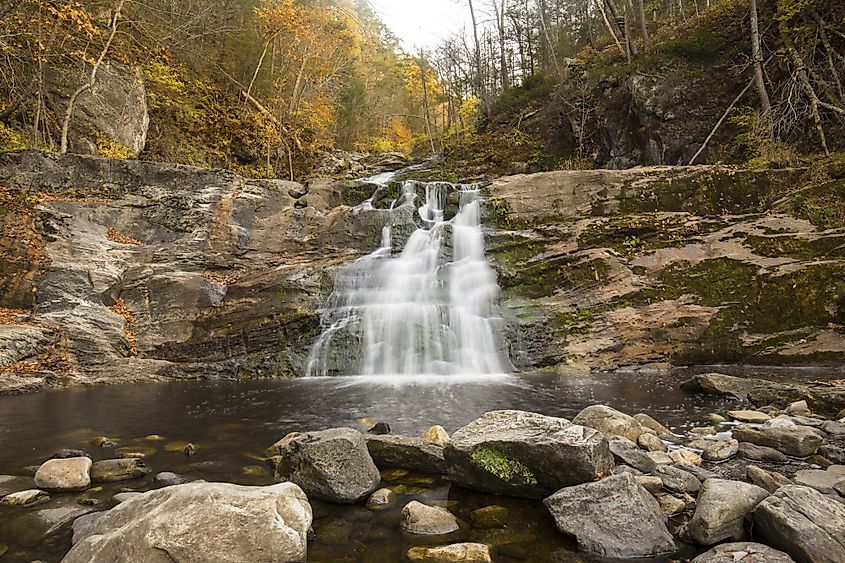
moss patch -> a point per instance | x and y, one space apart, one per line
496 463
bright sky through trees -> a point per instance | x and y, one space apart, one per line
422 23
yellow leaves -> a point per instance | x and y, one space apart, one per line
74 14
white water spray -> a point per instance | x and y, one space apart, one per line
430 310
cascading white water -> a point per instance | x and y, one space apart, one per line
429 310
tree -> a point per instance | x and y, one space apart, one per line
757 58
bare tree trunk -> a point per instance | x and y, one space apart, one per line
552 52
479 81
258 67
92 79
500 24
600 5
294 98
423 77
643 23
757 57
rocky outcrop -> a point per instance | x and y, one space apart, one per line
202 522
525 454
111 116
807 525
332 465
599 516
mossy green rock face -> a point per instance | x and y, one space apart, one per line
525 454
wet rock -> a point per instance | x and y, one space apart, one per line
525 454
670 504
628 452
113 470
379 429
190 450
823 481
82 526
436 435
685 456
755 417
721 510
10 484
652 443
650 483
677 480
720 450
135 452
760 453
743 552
105 442
64 475
494 516
32 528
798 441
201 522
609 422
123 497
648 422
459 552
381 499
30 497
422 520
67 454
715 418
406 453
804 523
332 465
769 480
599 516
168 479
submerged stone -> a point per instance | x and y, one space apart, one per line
422 520
457 553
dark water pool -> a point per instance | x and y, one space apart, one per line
232 423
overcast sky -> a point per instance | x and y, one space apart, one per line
422 23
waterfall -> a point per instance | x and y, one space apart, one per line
429 309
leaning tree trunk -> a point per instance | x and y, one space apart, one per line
757 57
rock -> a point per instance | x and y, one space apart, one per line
135 452
422 520
26 498
648 422
798 441
332 465
525 454
685 456
67 454
64 475
379 429
720 450
760 453
715 418
838 469
609 422
823 481
628 452
626 469
833 452
168 479
105 442
406 453
381 499
599 516
34 527
721 510
10 484
833 428
800 408
755 417
459 552
701 473
652 443
494 516
200 522
436 435
670 504
743 552
123 497
769 480
703 431
649 482
804 523
659 458
113 470
82 526
677 480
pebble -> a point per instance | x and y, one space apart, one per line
381 499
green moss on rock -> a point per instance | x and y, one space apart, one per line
496 463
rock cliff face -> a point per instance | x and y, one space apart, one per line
118 271
148 271
613 269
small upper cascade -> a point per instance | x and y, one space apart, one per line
430 308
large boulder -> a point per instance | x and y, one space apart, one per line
721 510
615 518
609 422
804 523
525 454
405 452
798 441
201 522
332 465
743 552
64 475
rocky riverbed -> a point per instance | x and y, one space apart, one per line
763 483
